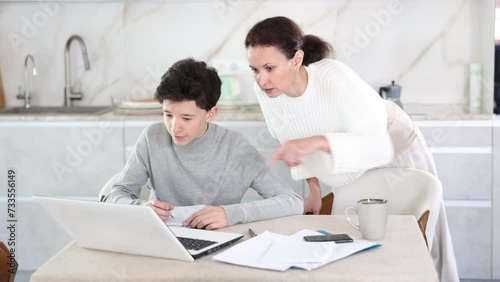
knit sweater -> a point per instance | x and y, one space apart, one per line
215 169
339 105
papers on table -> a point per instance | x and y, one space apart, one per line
279 252
290 251
182 213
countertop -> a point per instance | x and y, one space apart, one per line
252 113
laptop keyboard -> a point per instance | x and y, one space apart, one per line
195 244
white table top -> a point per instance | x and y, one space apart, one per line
403 256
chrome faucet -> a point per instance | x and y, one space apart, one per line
69 95
27 94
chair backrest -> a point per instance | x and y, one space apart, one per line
8 265
409 192
109 185
326 204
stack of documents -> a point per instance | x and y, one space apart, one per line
279 252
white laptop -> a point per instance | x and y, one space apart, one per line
131 229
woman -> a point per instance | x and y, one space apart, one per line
332 125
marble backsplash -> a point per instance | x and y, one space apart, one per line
425 45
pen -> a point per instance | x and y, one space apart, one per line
156 196
252 233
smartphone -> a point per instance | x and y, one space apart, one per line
337 238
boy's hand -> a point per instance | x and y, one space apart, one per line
161 208
209 218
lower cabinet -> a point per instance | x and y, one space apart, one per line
496 200
470 228
463 154
64 159
75 159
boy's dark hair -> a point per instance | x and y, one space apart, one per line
190 80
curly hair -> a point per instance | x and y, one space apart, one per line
190 80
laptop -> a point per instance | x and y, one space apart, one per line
131 229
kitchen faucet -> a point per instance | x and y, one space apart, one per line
69 95
27 94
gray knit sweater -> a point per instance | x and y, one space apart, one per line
215 169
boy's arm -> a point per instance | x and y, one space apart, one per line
251 170
127 189
279 201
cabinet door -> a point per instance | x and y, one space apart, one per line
60 159
463 158
464 176
470 228
463 155
496 200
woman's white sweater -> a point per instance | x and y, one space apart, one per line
339 105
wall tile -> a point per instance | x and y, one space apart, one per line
425 46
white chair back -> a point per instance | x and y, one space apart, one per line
408 191
109 185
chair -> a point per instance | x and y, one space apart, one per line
409 192
326 204
8 266
109 185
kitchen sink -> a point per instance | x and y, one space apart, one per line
91 110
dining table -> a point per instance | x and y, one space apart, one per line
402 256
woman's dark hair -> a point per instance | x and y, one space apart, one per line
286 35
190 80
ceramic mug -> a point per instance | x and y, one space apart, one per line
372 218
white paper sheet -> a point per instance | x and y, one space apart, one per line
290 250
279 252
182 213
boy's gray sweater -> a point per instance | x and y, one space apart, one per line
215 169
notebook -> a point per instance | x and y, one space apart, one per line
131 229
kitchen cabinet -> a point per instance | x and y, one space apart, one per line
496 199
463 154
67 159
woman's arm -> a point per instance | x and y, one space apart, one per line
293 151
313 203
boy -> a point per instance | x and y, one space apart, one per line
191 161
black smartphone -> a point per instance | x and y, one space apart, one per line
337 238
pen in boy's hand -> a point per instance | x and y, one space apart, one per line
156 196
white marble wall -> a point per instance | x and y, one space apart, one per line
425 45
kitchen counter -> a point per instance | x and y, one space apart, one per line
253 113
